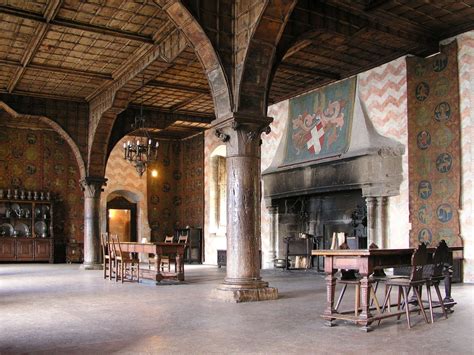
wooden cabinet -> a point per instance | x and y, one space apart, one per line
7 249
195 249
25 249
26 228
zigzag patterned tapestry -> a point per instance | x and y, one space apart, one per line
434 150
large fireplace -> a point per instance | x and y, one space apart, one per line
329 194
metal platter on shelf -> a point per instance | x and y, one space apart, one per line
18 212
41 229
45 211
6 230
22 230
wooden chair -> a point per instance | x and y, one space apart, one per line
165 259
440 259
108 257
124 262
416 280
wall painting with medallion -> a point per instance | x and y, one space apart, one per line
38 159
434 150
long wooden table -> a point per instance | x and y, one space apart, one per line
366 262
159 250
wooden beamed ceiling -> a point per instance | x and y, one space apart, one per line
74 50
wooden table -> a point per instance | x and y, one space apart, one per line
366 262
158 249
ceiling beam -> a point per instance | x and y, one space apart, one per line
166 85
46 96
75 25
50 68
182 115
51 10
310 71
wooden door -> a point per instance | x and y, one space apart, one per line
42 250
7 249
24 250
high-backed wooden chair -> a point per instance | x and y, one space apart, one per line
125 263
416 280
440 259
166 259
108 256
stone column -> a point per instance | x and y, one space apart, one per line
371 220
273 252
381 221
243 282
92 187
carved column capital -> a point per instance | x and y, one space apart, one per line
92 186
242 133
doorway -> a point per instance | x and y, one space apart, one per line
122 219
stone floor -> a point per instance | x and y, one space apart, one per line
60 309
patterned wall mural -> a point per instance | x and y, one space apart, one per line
434 147
190 197
466 77
175 196
40 160
383 92
122 176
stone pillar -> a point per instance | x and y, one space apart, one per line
243 282
381 221
371 220
273 252
92 187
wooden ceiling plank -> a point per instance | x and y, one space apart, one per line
375 4
185 103
49 68
311 71
51 10
166 85
75 25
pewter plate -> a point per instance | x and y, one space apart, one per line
41 228
6 230
22 230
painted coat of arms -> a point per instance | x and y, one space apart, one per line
320 123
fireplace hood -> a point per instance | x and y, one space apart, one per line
372 163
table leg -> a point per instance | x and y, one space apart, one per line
179 266
365 315
330 292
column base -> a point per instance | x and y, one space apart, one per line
233 293
91 266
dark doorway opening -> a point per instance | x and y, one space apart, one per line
122 219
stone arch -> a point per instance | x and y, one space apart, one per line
132 195
99 138
57 128
254 82
207 55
